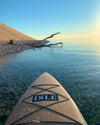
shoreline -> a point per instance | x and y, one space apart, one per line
11 49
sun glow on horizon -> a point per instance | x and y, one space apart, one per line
88 32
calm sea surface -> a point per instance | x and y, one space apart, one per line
76 67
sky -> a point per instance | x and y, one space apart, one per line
75 19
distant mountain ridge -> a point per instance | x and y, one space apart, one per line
7 33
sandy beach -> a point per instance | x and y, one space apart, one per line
12 41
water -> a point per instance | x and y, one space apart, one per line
75 66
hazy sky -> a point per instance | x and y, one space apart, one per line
39 18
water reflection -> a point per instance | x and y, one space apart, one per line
6 59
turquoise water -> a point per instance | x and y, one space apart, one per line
76 67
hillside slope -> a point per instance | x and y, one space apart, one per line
8 33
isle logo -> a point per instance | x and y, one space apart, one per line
45 97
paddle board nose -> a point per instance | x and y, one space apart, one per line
47 102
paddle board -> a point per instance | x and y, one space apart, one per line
46 102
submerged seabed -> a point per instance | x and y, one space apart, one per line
76 67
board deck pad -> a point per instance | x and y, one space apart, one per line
45 102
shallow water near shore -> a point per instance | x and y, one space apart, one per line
76 67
